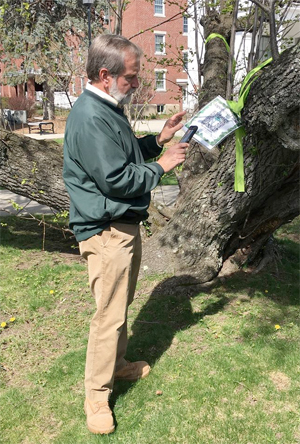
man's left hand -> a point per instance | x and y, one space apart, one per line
171 126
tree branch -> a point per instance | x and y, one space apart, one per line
159 24
261 6
230 68
273 40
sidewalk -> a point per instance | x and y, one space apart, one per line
44 136
30 206
151 126
166 195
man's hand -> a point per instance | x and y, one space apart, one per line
171 126
173 156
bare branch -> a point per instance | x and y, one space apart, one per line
231 56
159 24
253 38
261 6
273 32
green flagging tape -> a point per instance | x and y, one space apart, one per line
236 107
251 73
214 35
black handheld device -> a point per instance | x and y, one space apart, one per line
189 134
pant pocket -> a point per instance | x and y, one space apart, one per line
104 236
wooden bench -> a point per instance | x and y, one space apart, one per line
41 126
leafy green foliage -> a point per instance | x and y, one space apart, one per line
40 37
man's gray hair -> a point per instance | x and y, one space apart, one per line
108 51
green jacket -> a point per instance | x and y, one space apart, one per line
104 166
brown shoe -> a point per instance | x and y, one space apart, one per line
99 417
133 371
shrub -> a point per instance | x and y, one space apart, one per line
4 102
19 103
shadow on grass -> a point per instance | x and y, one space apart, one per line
21 233
167 311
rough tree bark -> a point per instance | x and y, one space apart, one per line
33 168
212 224
214 73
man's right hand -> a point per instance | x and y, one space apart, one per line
173 156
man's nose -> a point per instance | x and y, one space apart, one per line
135 82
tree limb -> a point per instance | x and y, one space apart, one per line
261 6
159 24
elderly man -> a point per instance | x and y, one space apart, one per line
109 185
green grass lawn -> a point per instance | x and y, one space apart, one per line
225 361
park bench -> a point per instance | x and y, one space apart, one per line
42 126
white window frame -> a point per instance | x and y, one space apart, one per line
162 45
185 60
185 25
264 47
163 72
162 5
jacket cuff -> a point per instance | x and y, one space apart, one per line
160 146
158 168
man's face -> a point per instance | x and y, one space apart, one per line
123 86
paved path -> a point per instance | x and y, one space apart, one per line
152 126
30 206
166 195
45 136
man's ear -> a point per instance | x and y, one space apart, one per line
104 76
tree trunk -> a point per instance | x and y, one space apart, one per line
33 168
215 67
48 102
212 223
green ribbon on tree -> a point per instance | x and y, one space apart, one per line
214 35
236 107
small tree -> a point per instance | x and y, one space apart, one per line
44 38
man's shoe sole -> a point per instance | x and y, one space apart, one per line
101 432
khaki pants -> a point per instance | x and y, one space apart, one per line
114 257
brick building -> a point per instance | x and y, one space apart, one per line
163 41
158 28
29 88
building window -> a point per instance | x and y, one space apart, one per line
185 60
160 80
264 48
159 7
160 43
185 25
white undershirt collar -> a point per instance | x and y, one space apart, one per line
101 93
